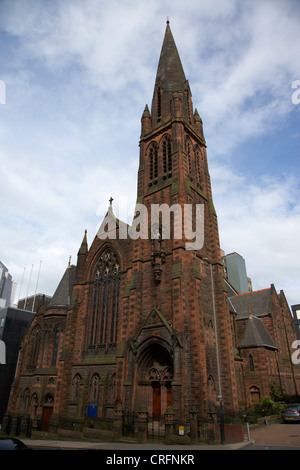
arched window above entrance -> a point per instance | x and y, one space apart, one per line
156 374
105 303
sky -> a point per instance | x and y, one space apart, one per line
75 77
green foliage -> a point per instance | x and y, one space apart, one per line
265 407
277 392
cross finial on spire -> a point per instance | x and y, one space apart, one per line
110 201
168 20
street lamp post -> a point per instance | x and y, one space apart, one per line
222 428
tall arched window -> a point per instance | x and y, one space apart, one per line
94 389
158 104
105 308
197 162
167 156
251 363
57 331
153 161
188 151
35 342
75 387
26 400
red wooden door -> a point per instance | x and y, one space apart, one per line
47 412
156 400
169 396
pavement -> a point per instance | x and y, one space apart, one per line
277 434
271 435
121 446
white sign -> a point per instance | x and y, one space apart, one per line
181 430
2 352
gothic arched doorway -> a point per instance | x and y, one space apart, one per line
47 411
155 377
254 395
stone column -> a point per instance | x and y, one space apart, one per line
118 421
6 424
54 422
194 423
36 423
15 425
143 423
169 421
25 426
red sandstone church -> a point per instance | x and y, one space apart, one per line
146 324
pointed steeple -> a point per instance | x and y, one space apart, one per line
170 75
172 145
172 95
84 246
146 120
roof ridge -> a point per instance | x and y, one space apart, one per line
61 296
256 334
252 292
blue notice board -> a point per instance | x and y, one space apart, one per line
92 411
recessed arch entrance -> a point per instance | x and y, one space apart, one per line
154 378
47 411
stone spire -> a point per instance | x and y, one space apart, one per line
170 75
171 96
84 246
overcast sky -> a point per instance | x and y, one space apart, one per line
77 76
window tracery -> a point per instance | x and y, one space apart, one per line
188 150
197 162
94 389
57 331
105 307
75 387
153 161
35 342
167 156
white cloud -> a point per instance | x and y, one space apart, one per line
261 222
78 75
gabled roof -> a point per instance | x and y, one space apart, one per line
155 319
256 334
257 302
231 291
110 224
62 295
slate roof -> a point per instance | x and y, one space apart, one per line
256 334
61 297
253 306
230 289
257 302
231 292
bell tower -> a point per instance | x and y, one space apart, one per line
181 322
173 163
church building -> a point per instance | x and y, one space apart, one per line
149 322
